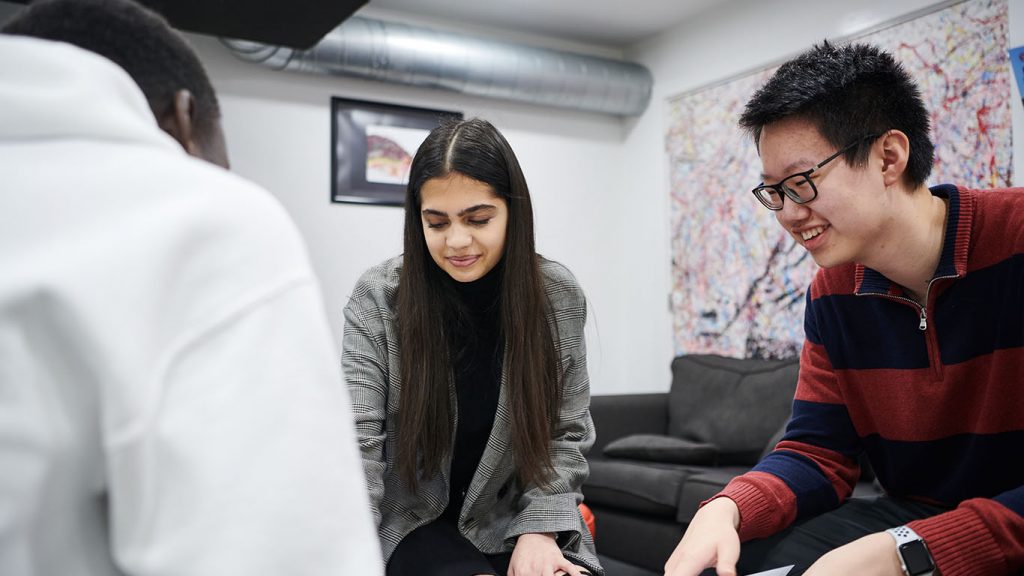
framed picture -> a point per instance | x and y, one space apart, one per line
372 148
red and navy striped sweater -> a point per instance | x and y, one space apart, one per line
934 396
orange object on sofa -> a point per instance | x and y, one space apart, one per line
588 519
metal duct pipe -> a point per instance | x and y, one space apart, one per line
404 54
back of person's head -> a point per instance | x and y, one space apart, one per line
142 43
849 92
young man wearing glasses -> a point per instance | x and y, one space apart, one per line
914 351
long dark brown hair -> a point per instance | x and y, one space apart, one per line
426 308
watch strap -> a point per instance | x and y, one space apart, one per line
905 535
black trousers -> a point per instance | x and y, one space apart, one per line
437 549
804 542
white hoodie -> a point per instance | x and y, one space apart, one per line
170 398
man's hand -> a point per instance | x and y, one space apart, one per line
872 555
539 555
710 540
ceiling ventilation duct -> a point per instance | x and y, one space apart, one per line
404 54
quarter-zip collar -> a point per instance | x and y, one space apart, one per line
955 245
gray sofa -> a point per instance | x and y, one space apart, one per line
658 456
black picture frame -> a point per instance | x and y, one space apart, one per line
372 145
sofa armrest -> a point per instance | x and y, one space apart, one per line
620 415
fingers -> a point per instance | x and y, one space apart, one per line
673 561
725 570
681 563
711 540
685 567
563 568
567 568
728 555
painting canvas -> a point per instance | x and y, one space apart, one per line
373 145
738 279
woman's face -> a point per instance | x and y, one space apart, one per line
464 223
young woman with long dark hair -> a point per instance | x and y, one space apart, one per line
466 361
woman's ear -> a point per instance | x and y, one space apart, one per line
895 151
179 121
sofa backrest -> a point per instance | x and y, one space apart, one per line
735 404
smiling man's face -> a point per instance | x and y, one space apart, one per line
845 221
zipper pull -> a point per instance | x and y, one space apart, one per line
924 320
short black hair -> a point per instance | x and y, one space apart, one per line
135 38
848 92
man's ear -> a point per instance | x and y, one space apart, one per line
179 121
895 151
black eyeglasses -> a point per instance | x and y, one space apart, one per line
799 187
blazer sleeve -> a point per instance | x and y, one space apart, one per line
365 365
555 508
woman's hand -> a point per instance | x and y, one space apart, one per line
539 555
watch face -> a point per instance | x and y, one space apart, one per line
916 558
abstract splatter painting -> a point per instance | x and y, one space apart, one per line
738 279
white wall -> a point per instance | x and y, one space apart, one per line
733 38
278 130
600 184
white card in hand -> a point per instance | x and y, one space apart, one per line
776 572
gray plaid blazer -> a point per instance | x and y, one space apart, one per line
497 510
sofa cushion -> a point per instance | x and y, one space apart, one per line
641 541
735 404
641 487
701 485
775 439
661 448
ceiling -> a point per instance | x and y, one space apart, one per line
615 23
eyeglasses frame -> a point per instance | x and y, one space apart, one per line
785 192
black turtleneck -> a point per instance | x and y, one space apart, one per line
477 368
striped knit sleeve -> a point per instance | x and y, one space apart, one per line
981 536
814 468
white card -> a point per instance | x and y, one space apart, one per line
776 572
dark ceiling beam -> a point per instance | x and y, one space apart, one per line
293 23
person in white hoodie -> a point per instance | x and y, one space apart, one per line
171 400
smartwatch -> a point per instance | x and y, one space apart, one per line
915 559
